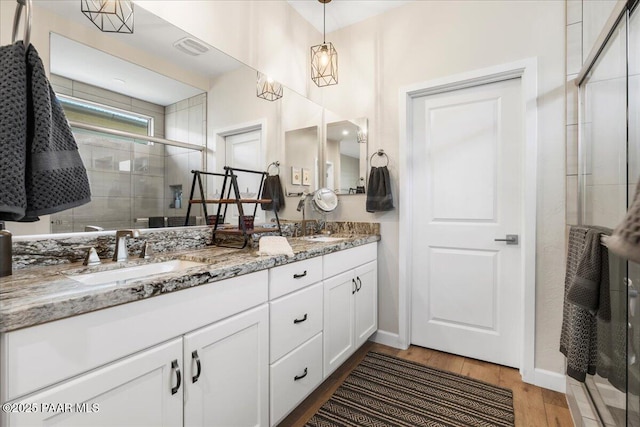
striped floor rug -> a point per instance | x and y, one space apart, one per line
386 391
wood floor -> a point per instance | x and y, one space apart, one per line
533 406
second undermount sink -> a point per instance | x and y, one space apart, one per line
323 239
122 275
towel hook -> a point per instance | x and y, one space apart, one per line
380 153
27 25
276 164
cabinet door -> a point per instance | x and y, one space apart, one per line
232 388
366 302
339 340
135 391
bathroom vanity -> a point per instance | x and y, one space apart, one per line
239 339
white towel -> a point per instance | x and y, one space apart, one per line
274 245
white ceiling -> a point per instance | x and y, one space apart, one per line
342 13
152 35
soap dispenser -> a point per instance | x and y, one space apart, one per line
5 251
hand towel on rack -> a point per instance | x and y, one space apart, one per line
625 240
13 131
56 178
273 190
379 197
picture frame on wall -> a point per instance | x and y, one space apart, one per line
306 177
296 176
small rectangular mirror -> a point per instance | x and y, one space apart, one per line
346 156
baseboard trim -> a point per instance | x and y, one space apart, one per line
549 379
388 338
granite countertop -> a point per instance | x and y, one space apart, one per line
33 296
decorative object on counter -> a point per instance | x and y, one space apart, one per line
625 240
267 88
40 168
324 57
110 16
247 220
5 251
274 245
273 189
409 393
379 197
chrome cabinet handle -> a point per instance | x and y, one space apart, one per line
194 356
511 239
295 321
176 368
299 377
299 276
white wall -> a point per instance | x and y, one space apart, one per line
421 41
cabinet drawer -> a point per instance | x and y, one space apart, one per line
286 391
337 262
294 319
291 277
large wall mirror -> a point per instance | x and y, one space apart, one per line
161 82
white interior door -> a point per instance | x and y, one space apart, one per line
244 151
467 192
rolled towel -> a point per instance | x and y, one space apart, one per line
274 245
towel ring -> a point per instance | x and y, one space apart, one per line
27 25
379 153
277 166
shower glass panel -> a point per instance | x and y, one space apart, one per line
633 174
603 201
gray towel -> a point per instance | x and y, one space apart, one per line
578 336
56 179
13 131
625 240
273 190
379 197
590 285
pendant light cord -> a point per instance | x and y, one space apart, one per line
324 23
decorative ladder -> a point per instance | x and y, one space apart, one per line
230 180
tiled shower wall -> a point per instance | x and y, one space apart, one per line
186 121
134 181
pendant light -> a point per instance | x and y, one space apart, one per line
324 58
267 88
110 16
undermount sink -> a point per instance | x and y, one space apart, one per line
122 275
323 239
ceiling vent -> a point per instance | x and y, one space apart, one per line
191 46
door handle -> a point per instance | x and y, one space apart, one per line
511 239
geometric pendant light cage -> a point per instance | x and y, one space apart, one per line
324 58
110 16
267 88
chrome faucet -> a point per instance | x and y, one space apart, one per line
120 253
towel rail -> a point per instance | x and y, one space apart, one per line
275 164
27 25
379 153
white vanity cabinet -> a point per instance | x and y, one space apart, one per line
295 305
135 391
350 303
137 363
226 372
